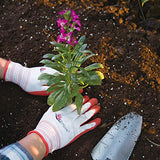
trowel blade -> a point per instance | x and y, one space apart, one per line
118 143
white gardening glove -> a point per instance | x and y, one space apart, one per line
27 78
58 129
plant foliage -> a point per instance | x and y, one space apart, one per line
71 76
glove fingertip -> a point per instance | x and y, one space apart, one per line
93 101
81 90
96 108
89 104
85 99
90 125
97 122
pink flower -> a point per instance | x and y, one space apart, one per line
69 39
42 69
74 16
61 37
62 30
74 41
77 28
58 117
70 24
65 37
61 22
78 22
64 11
66 27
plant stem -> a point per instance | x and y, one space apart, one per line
69 53
141 10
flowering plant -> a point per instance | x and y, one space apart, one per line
71 76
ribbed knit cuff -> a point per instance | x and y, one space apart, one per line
49 134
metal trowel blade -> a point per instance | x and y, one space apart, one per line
118 143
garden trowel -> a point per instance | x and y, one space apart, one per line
119 141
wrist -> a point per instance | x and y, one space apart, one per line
49 135
34 145
3 67
42 138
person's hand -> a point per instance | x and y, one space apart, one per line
27 78
58 129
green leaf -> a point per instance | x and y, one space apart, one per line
85 58
55 66
94 78
87 51
79 102
144 1
83 47
76 49
53 95
48 56
69 89
93 66
52 78
45 76
46 61
57 56
62 100
75 90
68 65
55 87
59 46
83 71
59 98
81 39
56 80
78 57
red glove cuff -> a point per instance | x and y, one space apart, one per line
6 69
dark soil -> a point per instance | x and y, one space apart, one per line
125 42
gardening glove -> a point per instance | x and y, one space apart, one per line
27 78
58 129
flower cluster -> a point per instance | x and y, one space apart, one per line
67 25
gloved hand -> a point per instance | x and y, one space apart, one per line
58 129
27 78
